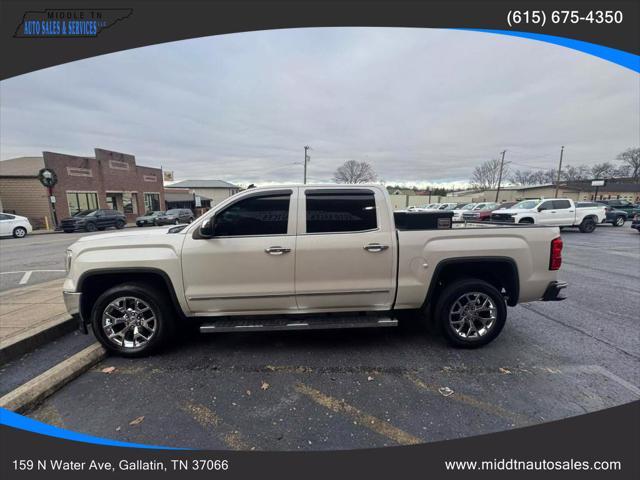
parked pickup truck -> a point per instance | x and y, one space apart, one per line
559 212
305 257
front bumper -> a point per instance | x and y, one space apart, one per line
72 302
552 293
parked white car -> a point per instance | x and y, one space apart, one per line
424 208
557 212
14 225
447 206
457 213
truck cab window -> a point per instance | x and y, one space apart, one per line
340 212
267 215
559 204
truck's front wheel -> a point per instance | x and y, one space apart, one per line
132 320
588 225
471 313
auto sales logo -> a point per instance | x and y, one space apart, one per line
69 23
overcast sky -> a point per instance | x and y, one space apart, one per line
422 106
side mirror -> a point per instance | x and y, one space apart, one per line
207 229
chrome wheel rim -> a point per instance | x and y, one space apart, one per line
473 315
20 232
129 322
620 221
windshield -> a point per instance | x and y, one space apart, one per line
173 212
468 206
85 213
526 204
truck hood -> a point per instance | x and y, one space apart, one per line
128 232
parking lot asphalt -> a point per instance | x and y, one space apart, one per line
35 258
372 388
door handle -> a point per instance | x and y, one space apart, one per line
277 250
375 247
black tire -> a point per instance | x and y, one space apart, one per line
90 227
588 225
102 229
160 307
120 224
619 221
19 232
69 231
448 299
526 220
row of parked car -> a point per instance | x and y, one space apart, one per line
95 219
557 211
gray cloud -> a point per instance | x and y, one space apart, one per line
423 106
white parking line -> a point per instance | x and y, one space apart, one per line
26 275
25 278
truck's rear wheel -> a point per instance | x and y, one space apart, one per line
588 225
471 313
132 320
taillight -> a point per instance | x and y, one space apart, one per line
555 259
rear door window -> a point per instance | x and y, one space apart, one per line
337 212
559 204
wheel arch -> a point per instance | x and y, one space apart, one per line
501 272
93 283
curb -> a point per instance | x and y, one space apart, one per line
36 337
37 389
49 232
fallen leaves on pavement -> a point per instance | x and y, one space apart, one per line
137 421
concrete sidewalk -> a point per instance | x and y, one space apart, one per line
31 315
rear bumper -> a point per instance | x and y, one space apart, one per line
552 293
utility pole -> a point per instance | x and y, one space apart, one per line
306 160
500 174
559 171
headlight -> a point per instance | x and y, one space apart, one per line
67 260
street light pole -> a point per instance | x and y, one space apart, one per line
559 171
500 175
306 159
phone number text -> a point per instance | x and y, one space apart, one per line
541 17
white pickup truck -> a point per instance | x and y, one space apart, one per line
559 212
304 257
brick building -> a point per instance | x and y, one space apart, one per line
107 180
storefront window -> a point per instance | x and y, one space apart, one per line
130 202
81 201
152 202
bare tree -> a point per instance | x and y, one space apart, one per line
522 177
486 176
603 170
353 171
573 174
631 157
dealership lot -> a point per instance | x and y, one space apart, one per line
369 388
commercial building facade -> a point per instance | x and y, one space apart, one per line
215 190
107 180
